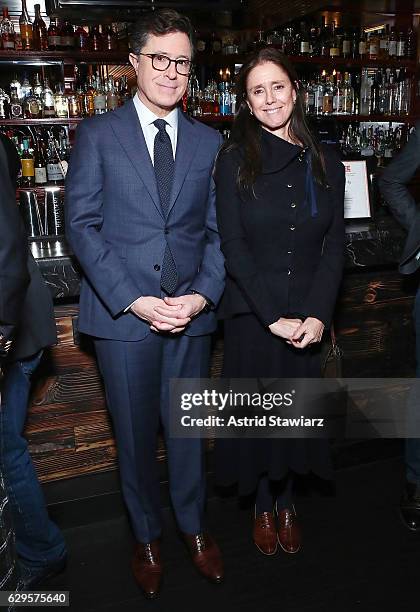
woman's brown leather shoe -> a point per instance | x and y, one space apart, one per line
288 530
265 536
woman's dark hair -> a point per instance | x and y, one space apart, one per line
158 23
246 129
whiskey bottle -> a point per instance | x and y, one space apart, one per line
61 103
40 38
67 36
28 167
25 25
16 110
54 35
48 100
32 106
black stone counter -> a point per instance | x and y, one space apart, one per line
369 245
58 266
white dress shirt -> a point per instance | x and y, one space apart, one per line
146 118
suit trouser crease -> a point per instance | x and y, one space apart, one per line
136 377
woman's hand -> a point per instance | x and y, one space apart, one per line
308 333
285 328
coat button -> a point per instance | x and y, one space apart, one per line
289 252
166 231
289 185
156 267
292 227
293 205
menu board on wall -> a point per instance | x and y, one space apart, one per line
356 198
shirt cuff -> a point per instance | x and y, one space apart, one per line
128 307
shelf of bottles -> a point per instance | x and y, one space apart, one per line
60 39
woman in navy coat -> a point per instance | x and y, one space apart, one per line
280 200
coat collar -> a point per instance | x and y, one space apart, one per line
277 153
126 126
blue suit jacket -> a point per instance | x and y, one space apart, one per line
117 230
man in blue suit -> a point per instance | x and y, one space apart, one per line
141 220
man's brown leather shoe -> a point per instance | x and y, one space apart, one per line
265 535
147 568
205 555
288 530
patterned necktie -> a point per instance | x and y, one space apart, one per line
164 171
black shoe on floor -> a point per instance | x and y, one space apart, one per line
31 577
410 506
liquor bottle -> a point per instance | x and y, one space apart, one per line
61 103
110 39
327 98
411 44
365 91
40 38
7 31
362 44
319 94
16 108
215 43
354 52
401 45
17 85
40 165
348 95
26 87
384 43
32 106
392 44
82 42
55 174
4 105
304 40
347 44
338 96
54 35
28 167
373 46
124 91
73 100
37 88
25 25
374 94
99 99
325 35
95 37
314 41
48 100
88 98
111 95
335 44
310 98
201 43
67 36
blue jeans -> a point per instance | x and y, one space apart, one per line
412 445
39 542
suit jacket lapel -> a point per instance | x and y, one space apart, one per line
187 142
128 131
